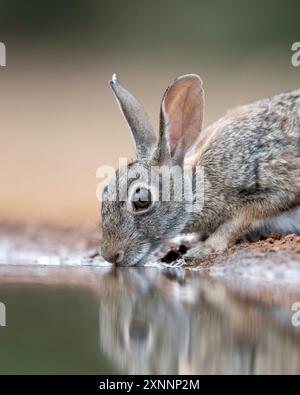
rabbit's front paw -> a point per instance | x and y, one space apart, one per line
201 250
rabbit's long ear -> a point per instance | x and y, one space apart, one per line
181 117
137 119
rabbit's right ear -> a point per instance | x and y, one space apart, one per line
138 121
181 117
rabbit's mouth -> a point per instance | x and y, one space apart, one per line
140 258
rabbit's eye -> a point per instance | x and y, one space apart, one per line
141 199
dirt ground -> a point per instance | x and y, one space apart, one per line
275 260
274 250
27 244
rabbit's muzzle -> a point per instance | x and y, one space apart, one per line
115 257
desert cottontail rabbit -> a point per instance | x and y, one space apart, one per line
251 166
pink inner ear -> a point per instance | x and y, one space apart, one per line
184 109
175 103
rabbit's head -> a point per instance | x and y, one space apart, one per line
138 210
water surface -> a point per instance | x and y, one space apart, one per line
143 320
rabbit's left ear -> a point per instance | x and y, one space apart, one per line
181 118
137 119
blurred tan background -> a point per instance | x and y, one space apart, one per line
58 118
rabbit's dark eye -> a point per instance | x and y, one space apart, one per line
141 199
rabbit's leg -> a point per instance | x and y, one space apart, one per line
226 235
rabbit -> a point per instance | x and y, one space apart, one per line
251 166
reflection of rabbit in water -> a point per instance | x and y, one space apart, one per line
141 330
151 323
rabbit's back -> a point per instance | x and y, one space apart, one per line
275 119
252 156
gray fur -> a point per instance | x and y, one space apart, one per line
284 224
137 119
251 161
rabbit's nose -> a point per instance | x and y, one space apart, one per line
116 257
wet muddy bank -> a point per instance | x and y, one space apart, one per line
276 259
